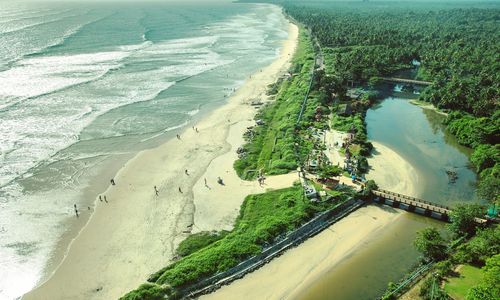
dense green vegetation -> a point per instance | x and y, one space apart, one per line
469 283
431 290
458 48
485 244
430 243
482 134
270 147
199 240
463 220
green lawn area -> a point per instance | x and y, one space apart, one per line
457 287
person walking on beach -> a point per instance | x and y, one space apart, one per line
180 191
178 137
76 211
156 191
112 181
105 200
205 181
186 172
100 198
196 129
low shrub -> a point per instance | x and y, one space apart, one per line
262 217
199 240
148 291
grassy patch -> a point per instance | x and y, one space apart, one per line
199 240
354 149
271 148
262 217
457 287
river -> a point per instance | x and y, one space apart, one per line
418 136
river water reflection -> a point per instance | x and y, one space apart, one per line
419 137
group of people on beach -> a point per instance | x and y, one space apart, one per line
156 190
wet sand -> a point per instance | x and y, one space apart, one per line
391 171
136 231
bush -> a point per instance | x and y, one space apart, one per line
330 171
489 185
485 156
485 244
199 240
430 243
444 268
369 187
363 166
431 290
471 131
148 291
463 219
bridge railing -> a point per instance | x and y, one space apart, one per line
419 203
404 80
412 198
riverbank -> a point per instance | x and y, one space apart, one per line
391 171
429 106
305 265
111 255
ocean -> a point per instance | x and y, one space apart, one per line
85 87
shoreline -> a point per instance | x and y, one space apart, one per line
304 265
391 171
429 106
108 252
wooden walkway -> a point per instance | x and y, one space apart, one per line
412 203
410 81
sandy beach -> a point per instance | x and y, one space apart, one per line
391 171
304 265
136 230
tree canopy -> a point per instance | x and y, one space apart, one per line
457 49
430 243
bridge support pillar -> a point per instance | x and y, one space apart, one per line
445 217
428 212
411 208
395 203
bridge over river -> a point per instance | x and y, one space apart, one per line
409 81
416 205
